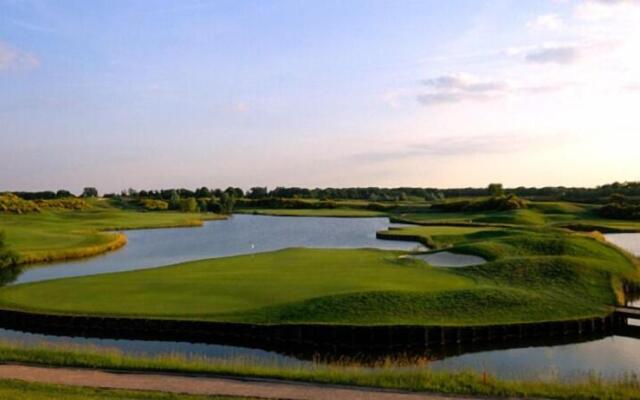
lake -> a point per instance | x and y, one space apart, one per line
240 234
244 234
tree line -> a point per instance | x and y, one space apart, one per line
599 194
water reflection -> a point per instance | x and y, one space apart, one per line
609 356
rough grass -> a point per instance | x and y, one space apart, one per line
320 212
389 374
62 234
11 390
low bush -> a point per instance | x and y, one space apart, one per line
70 203
7 257
10 203
620 211
497 203
154 205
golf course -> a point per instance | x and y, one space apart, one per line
536 270
542 262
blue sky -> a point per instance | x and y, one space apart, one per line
152 94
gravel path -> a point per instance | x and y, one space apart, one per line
261 388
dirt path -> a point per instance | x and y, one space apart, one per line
262 388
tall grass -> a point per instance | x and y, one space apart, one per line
388 375
114 242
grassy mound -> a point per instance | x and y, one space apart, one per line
475 306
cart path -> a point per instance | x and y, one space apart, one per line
185 384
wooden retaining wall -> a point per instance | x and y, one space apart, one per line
307 336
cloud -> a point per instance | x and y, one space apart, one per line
564 54
461 146
549 22
595 10
458 87
632 87
455 88
240 107
12 58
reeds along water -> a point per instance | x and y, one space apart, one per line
115 241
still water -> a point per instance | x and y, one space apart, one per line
240 234
449 259
243 234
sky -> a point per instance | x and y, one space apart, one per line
188 93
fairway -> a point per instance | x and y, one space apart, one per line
212 288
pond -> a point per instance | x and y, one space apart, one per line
607 356
628 241
240 234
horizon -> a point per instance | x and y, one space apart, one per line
246 190
117 94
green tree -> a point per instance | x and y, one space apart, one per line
495 189
174 200
60 194
7 257
89 192
203 192
227 202
617 198
189 205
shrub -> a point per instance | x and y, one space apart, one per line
7 257
70 203
189 205
498 203
11 203
620 211
154 205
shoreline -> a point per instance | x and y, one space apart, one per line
44 257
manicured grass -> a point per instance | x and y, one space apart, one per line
388 374
11 390
234 288
61 234
320 212
531 276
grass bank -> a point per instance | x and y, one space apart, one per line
55 234
389 374
320 212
